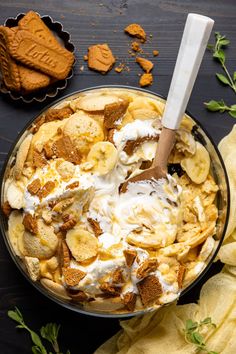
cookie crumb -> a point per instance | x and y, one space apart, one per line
136 30
146 80
136 46
85 57
155 53
145 64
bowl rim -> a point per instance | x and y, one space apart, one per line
49 294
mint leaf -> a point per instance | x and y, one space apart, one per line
215 105
224 42
15 315
207 320
220 55
234 76
232 114
190 325
223 79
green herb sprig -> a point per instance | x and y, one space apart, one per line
194 336
48 332
221 42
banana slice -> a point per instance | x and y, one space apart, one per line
83 130
15 230
55 288
105 305
144 113
161 238
21 156
43 245
82 244
15 195
95 103
197 166
103 156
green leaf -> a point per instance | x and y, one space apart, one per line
197 338
224 42
234 76
15 315
232 113
36 350
36 339
223 79
214 105
211 352
190 325
207 320
220 55
233 107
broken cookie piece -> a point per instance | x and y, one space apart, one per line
100 58
6 208
30 223
68 225
117 276
72 276
64 148
39 159
146 80
136 30
145 64
113 112
130 256
180 275
95 226
150 290
64 255
110 290
148 266
46 189
58 114
130 301
34 186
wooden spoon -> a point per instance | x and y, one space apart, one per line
194 41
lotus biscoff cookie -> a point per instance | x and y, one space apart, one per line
8 66
30 50
32 23
31 79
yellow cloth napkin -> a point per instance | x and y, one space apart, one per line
161 332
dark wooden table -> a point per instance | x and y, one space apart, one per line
91 22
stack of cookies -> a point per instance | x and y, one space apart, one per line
31 58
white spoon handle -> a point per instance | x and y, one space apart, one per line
194 41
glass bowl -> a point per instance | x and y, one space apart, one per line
217 169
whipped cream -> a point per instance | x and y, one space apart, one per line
128 219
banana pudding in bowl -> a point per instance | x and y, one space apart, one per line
83 242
